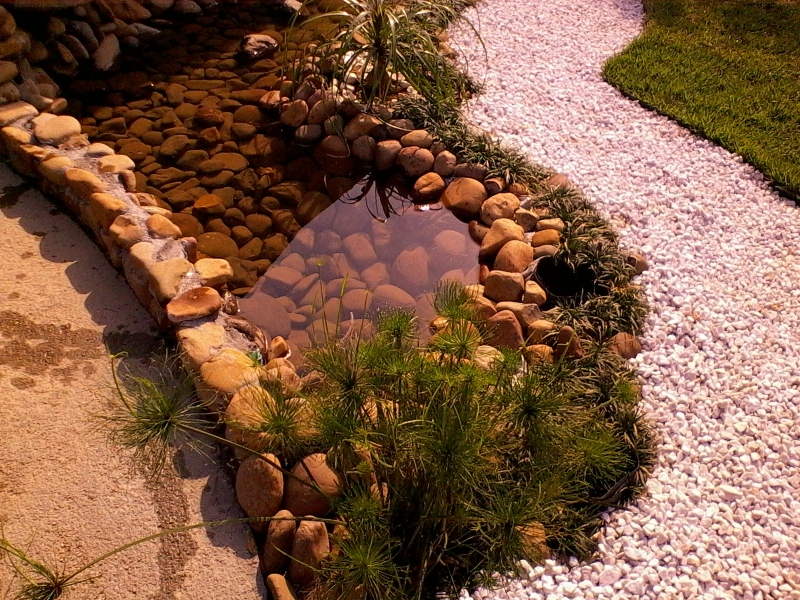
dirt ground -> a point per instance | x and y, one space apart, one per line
66 494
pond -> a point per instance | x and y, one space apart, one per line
372 249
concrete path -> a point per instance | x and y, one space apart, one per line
66 495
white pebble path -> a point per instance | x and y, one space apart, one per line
721 360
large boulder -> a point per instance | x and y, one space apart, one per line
499 206
505 331
514 257
278 544
503 286
259 488
464 196
500 233
302 499
311 545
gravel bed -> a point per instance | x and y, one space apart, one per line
721 366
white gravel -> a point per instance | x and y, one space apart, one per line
721 365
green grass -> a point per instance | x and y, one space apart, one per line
728 70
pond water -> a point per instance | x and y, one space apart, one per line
370 250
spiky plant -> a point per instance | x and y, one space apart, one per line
152 417
378 41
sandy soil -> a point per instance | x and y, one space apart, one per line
66 495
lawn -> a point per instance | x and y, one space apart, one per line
728 70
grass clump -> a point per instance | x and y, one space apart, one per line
728 70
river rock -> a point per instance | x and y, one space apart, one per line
558 181
255 46
428 188
505 330
303 500
526 219
502 286
537 353
391 296
279 588
241 235
410 269
217 245
534 294
57 130
311 545
166 276
415 161
482 307
499 206
638 262
364 148
359 249
360 125
545 237
567 344
494 185
375 275
209 205
259 488
625 344
477 231
418 137
450 243
500 233
470 170
278 544
515 256
282 279
538 329
552 223
107 53
444 164
464 196
115 163
213 272
126 231
485 357
194 304
386 153
160 227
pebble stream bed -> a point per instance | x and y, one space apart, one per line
721 365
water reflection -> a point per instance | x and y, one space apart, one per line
371 249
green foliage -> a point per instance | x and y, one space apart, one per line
728 70
148 414
450 467
379 40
